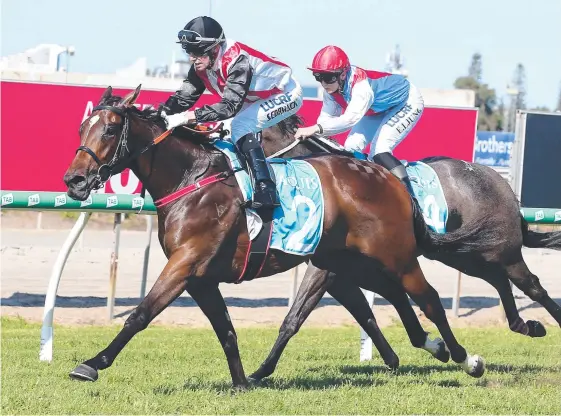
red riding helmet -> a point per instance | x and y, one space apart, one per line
330 59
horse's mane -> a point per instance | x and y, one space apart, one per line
289 125
149 113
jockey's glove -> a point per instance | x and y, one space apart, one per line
175 120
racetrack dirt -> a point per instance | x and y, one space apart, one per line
28 256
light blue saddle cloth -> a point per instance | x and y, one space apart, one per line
298 221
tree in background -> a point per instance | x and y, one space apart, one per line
516 91
519 83
476 68
489 118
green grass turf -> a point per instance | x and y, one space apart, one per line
181 370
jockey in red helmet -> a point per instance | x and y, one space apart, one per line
378 108
256 91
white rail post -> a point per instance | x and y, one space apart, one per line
456 298
113 265
293 288
365 340
46 350
146 256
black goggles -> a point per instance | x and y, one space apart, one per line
327 77
194 51
190 36
193 42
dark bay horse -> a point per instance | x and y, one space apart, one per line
475 194
370 226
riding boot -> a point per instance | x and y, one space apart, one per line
394 165
265 193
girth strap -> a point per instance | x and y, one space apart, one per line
258 250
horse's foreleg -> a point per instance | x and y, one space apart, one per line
313 287
171 283
419 338
424 295
348 294
211 302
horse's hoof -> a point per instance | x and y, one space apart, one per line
536 329
438 349
254 379
393 365
241 388
474 365
84 373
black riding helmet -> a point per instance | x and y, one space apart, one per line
200 35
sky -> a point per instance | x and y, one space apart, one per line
437 37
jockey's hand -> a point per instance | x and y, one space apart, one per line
179 119
304 132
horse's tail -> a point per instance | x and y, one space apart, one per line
477 237
533 239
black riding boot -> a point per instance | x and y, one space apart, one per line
394 165
265 193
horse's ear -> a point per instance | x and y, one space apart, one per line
106 95
131 97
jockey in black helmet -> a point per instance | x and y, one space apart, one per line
255 91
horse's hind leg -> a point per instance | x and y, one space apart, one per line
529 283
500 281
498 275
424 295
211 302
313 287
394 293
171 283
349 295
515 322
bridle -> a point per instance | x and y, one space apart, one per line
120 160
117 163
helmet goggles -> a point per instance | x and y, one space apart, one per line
194 44
327 77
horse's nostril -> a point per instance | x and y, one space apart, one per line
77 180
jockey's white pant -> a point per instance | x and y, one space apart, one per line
267 112
386 130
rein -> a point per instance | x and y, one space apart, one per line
282 151
117 163
219 177
201 129
296 142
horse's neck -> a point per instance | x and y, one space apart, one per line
173 164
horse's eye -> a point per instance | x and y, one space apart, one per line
110 130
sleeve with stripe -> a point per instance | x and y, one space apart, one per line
235 91
362 98
190 91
